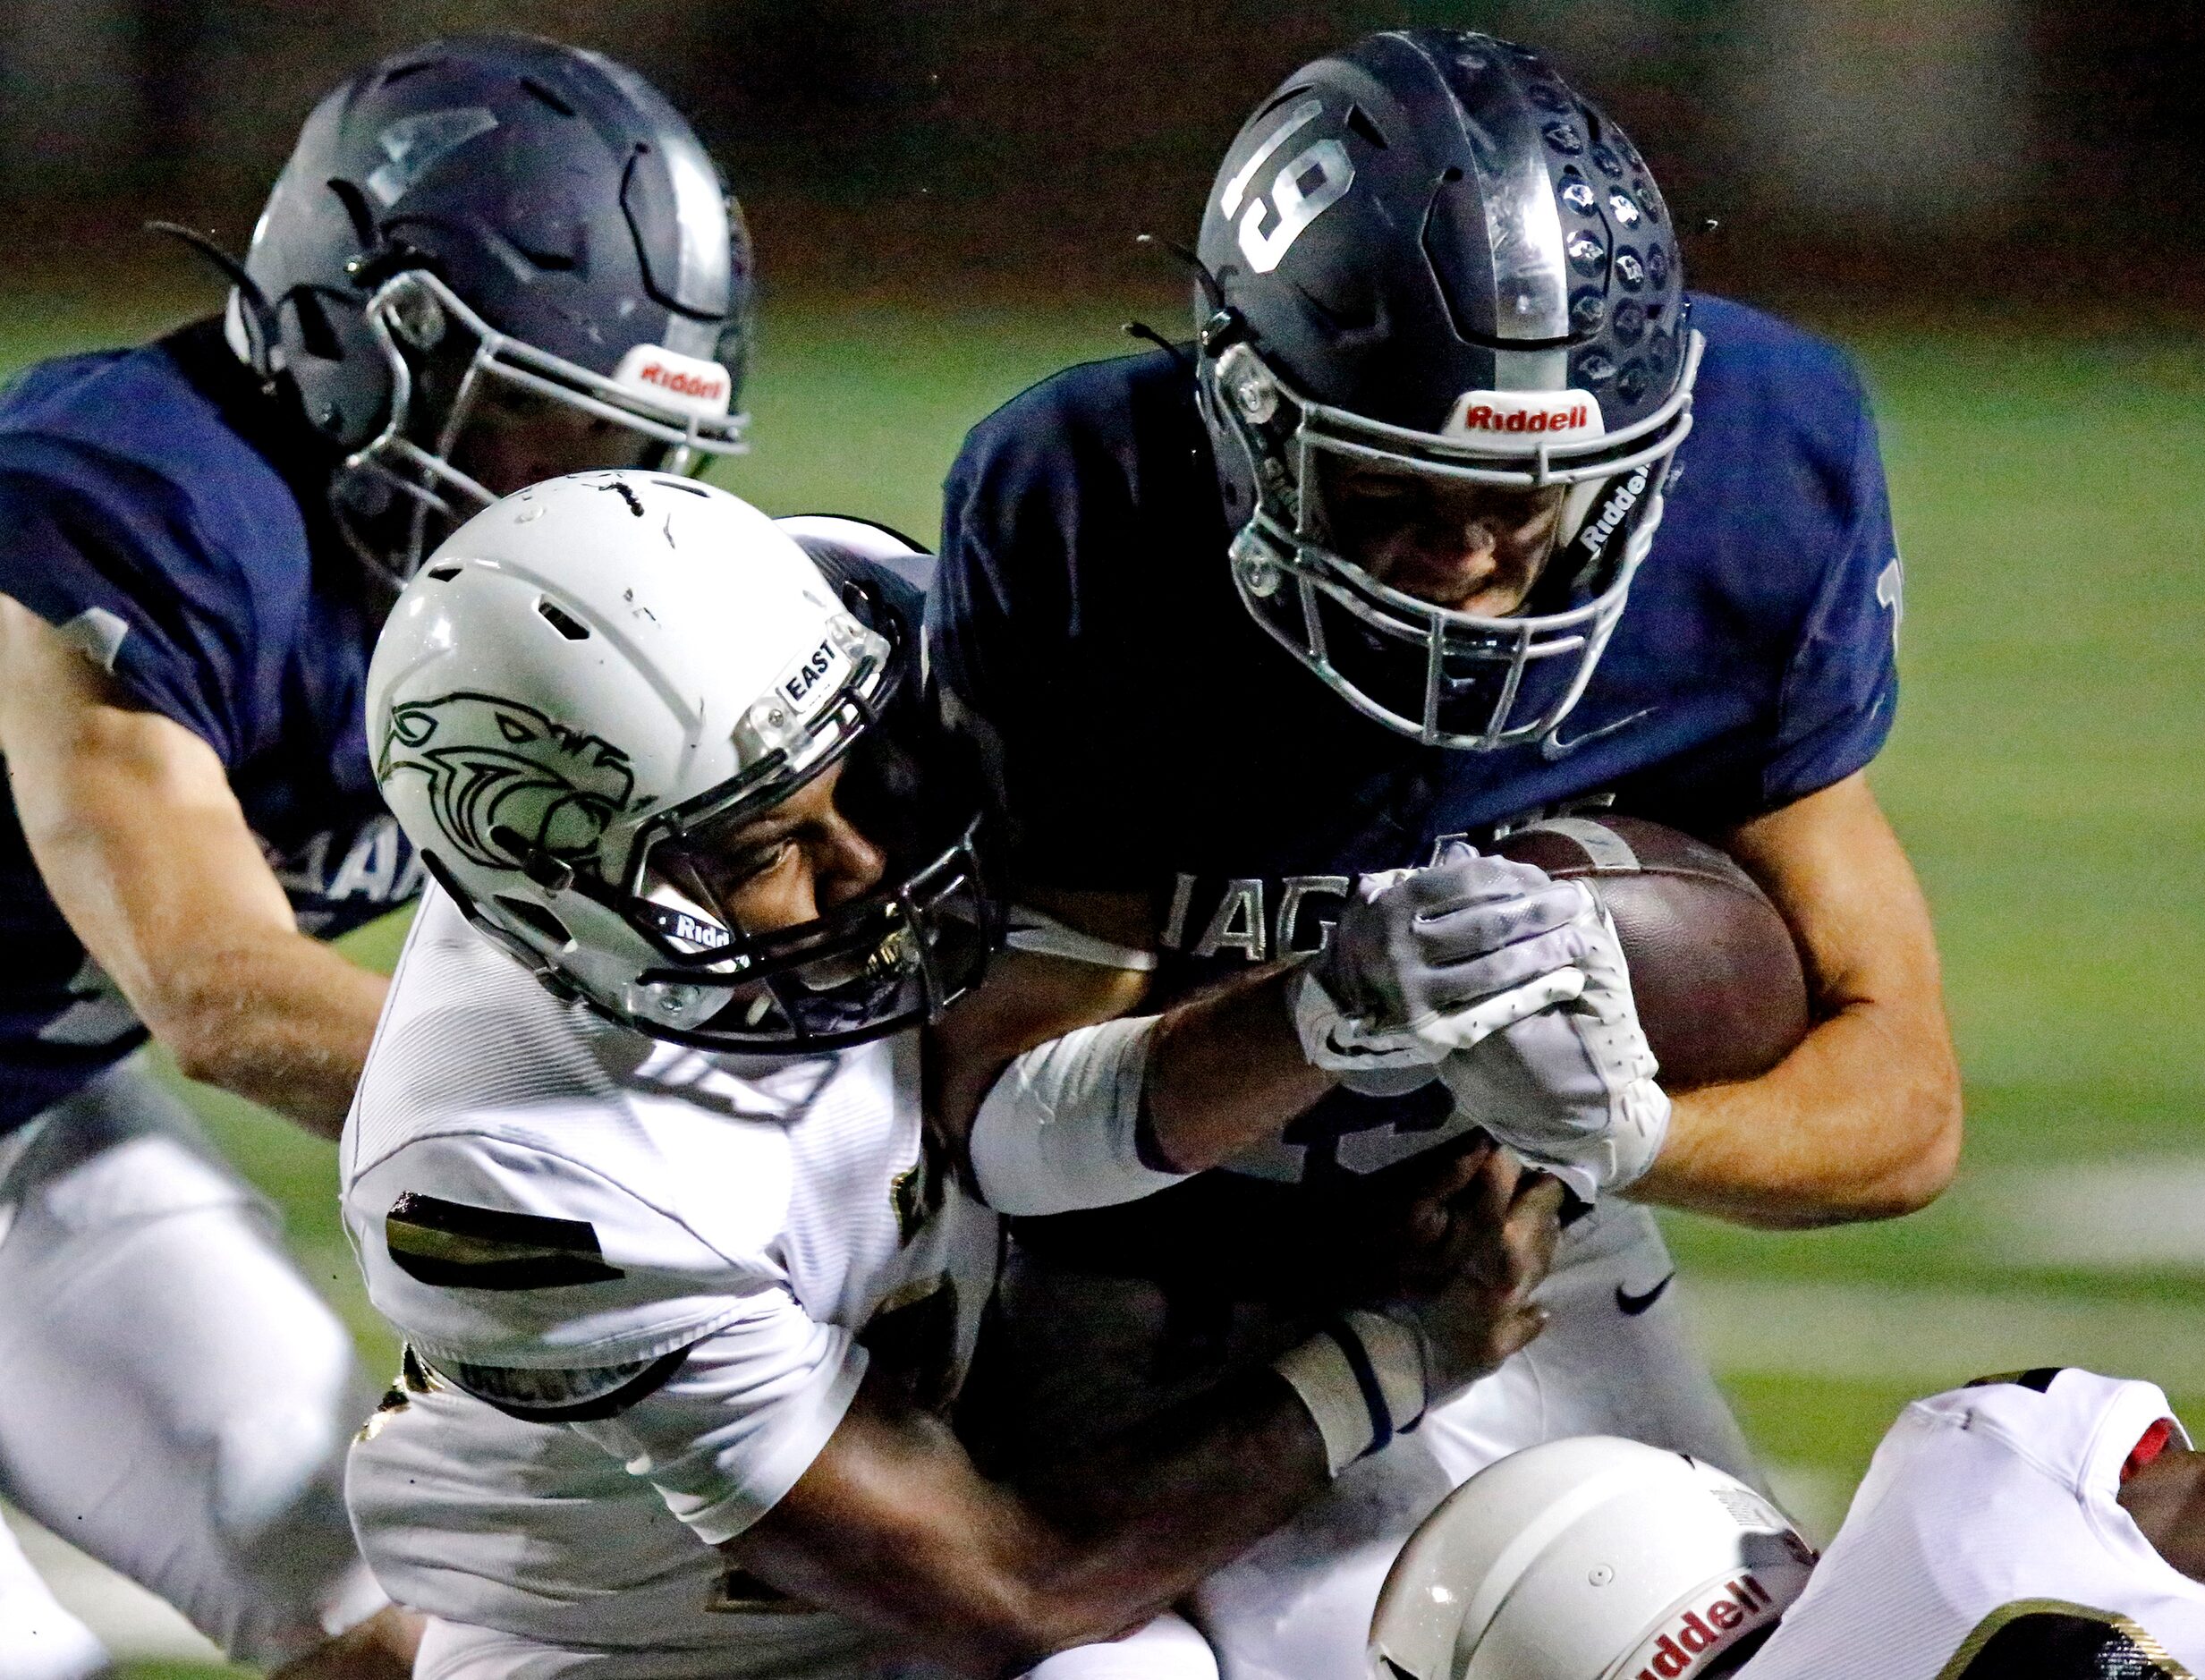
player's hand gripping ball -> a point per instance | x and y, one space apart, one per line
1717 978
1425 962
1571 1087
1708 961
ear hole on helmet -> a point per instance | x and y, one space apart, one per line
356 210
1358 122
536 918
316 337
529 85
444 573
573 629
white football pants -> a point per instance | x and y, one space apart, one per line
176 1399
39 1639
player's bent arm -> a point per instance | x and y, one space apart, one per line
1421 962
1216 1073
893 1525
137 834
1861 1121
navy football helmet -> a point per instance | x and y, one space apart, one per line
486 221
1430 256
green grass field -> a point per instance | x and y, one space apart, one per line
2044 775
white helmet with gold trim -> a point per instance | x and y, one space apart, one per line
590 671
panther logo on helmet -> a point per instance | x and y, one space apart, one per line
492 764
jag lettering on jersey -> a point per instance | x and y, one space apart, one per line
1262 920
1271 918
375 870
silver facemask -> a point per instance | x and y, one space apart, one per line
1445 678
415 311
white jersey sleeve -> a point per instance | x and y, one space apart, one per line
577 1226
1988 1539
749 1408
486 1250
537 1286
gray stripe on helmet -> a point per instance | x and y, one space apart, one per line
1530 369
1522 222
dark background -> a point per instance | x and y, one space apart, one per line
1938 156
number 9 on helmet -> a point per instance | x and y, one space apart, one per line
1427 260
592 681
1593 1558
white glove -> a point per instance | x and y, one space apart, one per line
1571 1089
1425 962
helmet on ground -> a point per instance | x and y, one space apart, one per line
1431 256
591 678
1593 1558
494 211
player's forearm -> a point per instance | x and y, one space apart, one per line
205 950
139 839
1860 1122
892 1527
1150 1517
1227 1072
279 1018
1117 1110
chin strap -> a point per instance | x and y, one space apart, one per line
252 301
1043 935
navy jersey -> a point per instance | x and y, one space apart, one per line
1154 740
153 504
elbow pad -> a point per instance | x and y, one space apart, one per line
1060 1129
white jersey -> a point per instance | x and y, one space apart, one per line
1988 1541
674 1265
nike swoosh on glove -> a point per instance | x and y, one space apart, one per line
1571 1087
1424 962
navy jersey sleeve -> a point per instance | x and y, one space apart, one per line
1016 523
1003 523
113 552
1840 686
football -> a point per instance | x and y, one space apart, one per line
1717 978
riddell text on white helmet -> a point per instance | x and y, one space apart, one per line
680 383
1683 1643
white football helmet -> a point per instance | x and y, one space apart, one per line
1588 1560
595 667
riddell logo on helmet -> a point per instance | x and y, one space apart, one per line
685 382
1684 1643
1525 419
681 382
